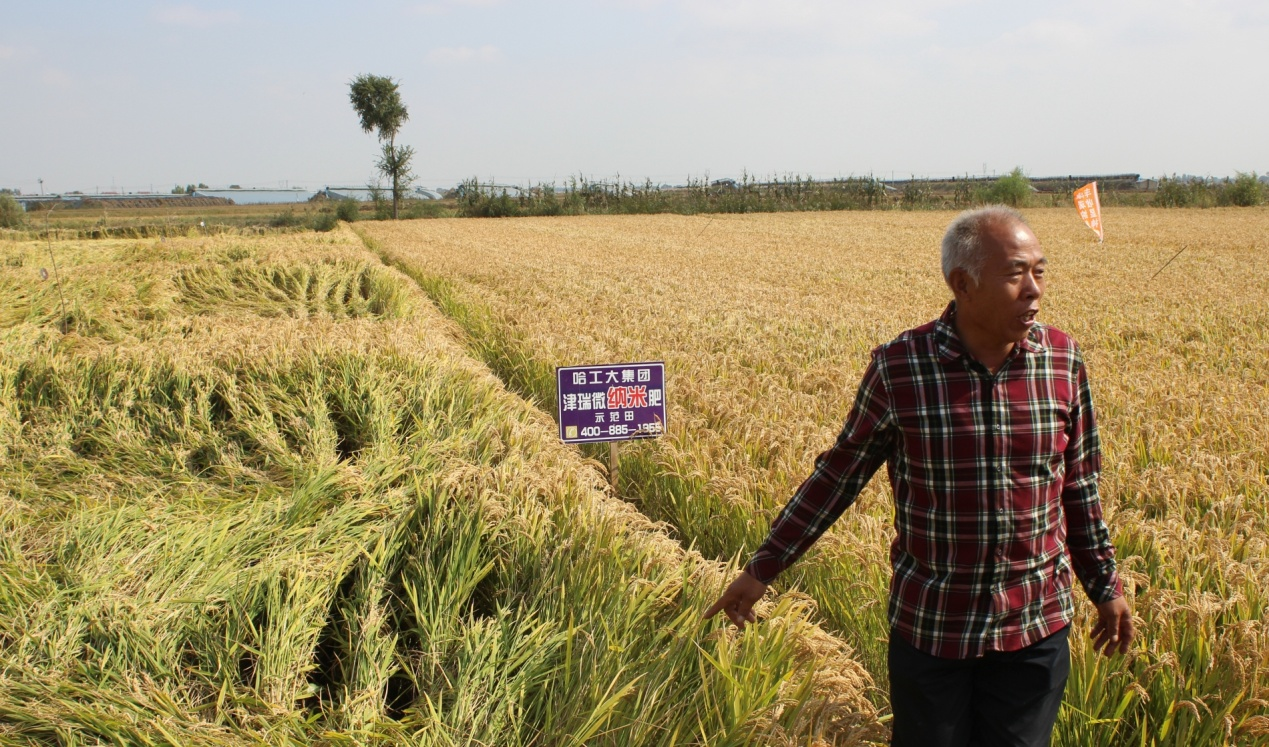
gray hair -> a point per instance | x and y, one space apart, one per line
963 242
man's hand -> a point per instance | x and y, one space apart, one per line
738 600
1113 631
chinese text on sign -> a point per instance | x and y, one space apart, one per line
1090 207
613 402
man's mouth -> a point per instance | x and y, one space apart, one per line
1028 318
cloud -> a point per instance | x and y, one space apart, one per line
54 77
191 15
824 19
1058 33
445 6
452 55
17 52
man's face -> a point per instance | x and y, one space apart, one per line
1005 301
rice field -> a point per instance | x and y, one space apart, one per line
765 323
254 490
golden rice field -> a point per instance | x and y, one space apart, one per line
254 490
765 323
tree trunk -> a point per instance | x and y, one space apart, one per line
396 171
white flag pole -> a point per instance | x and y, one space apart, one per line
1101 222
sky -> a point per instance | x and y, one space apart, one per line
132 96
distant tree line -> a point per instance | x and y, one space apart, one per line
581 196
1244 190
188 189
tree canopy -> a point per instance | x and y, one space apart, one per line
377 100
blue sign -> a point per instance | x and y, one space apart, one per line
615 402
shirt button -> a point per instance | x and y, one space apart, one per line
1000 552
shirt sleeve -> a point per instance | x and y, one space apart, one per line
1088 539
840 474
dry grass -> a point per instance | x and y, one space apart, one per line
765 323
258 494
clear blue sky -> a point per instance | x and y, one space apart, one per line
256 93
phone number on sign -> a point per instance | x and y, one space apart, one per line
592 431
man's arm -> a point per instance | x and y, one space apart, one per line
840 474
1088 538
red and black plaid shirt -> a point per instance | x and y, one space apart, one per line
995 489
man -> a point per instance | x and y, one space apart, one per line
985 419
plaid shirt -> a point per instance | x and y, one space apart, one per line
995 489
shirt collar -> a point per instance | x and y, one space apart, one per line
950 345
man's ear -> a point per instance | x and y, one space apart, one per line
960 282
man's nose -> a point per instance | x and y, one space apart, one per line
1033 287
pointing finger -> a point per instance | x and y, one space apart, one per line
713 610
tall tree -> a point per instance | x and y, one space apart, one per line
377 101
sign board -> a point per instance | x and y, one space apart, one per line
612 402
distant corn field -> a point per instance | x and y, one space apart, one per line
765 323
258 494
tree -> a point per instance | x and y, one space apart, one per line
347 210
11 215
377 101
1244 191
1013 189
1173 192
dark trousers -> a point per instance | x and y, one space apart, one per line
1004 698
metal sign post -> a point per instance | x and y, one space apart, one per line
611 402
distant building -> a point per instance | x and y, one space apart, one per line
79 200
259 196
366 194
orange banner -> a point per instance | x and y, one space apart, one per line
1090 207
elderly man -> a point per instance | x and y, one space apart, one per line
985 420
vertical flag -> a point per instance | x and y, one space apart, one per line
1090 207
